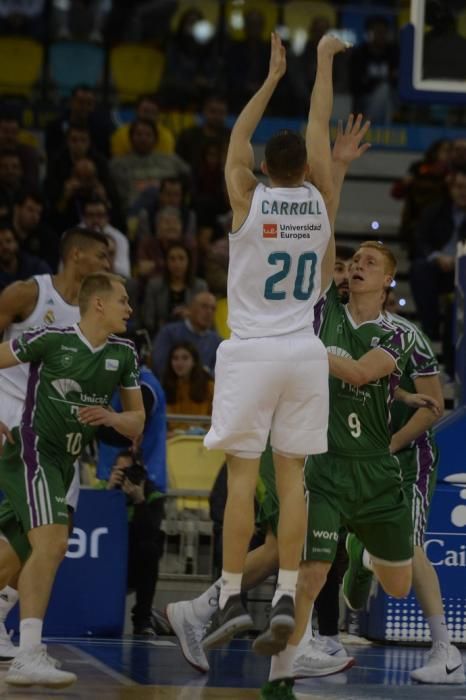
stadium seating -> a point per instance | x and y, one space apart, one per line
72 63
221 316
192 467
135 69
21 62
298 14
235 12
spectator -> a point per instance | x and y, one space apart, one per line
15 264
216 266
28 155
196 329
167 298
79 19
458 155
81 110
191 142
147 107
188 387
142 167
11 175
246 66
373 72
424 185
22 17
191 65
153 446
144 489
146 20
33 235
95 216
432 273
170 194
145 507
82 185
209 197
77 146
152 248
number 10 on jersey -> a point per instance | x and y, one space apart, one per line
304 281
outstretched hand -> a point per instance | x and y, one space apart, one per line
277 65
331 45
347 146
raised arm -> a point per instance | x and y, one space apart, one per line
239 164
318 127
347 147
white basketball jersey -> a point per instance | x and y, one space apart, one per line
50 309
274 273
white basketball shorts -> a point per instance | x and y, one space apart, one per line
276 385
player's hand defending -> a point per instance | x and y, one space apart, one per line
277 66
97 415
422 401
347 146
330 45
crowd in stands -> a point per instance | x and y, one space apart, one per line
433 222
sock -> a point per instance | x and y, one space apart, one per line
206 604
286 584
438 629
367 561
281 665
230 584
30 633
309 633
8 599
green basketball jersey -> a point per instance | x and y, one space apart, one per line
359 420
66 373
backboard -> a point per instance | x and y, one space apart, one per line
433 52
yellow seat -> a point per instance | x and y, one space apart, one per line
20 65
221 317
299 14
135 70
192 467
462 23
234 15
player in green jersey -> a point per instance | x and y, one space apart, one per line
418 457
73 374
357 483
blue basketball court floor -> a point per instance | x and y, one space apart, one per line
128 669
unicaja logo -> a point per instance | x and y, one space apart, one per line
458 514
65 387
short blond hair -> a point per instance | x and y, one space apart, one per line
390 260
97 283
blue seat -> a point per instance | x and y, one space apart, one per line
74 63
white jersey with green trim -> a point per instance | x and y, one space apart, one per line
274 274
50 309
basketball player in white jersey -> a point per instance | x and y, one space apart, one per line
44 299
272 375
